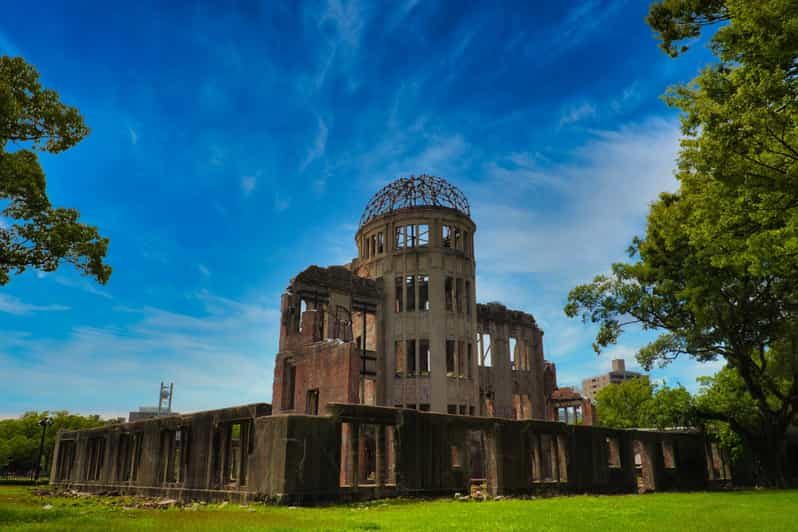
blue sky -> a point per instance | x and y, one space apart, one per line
232 147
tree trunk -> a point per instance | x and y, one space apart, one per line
770 452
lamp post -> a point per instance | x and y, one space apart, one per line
43 423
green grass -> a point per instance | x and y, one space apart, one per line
22 509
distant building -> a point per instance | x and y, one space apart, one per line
591 386
164 407
147 412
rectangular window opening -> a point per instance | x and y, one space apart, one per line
423 356
446 236
449 293
460 358
412 239
668 455
613 452
514 362
468 298
289 385
450 355
423 292
410 286
399 237
457 462
399 295
411 358
312 402
423 235
380 242
485 355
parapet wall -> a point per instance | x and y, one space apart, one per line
360 452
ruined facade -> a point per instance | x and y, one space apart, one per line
391 380
407 304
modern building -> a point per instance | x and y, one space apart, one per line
592 385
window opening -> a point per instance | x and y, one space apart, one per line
613 453
410 285
399 239
312 403
485 355
423 356
446 236
399 295
411 358
423 292
450 347
449 295
423 235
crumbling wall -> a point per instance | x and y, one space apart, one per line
512 385
357 452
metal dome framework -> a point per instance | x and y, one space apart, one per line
415 191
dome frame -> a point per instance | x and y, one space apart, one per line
415 191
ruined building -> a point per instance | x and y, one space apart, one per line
392 380
400 325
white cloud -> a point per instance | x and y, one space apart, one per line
281 203
134 137
218 355
605 189
318 146
13 305
204 270
248 184
82 284
628 99
577 113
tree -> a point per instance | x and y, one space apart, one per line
636 403
19 438
716 272
35 234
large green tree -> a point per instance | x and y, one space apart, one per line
33 233
717 270
20 438
638 403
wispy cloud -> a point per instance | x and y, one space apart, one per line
317 147
281 203
248 184
204 271
12 305
7 47
83 284
134 137
217 356
577 113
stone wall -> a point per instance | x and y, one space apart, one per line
359 452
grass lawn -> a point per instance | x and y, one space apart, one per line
21 509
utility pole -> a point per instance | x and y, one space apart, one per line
43 423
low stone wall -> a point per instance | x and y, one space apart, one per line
360 452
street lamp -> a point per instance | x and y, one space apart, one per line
43 423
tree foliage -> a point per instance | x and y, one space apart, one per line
717 270
638 403
33 233
20 438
